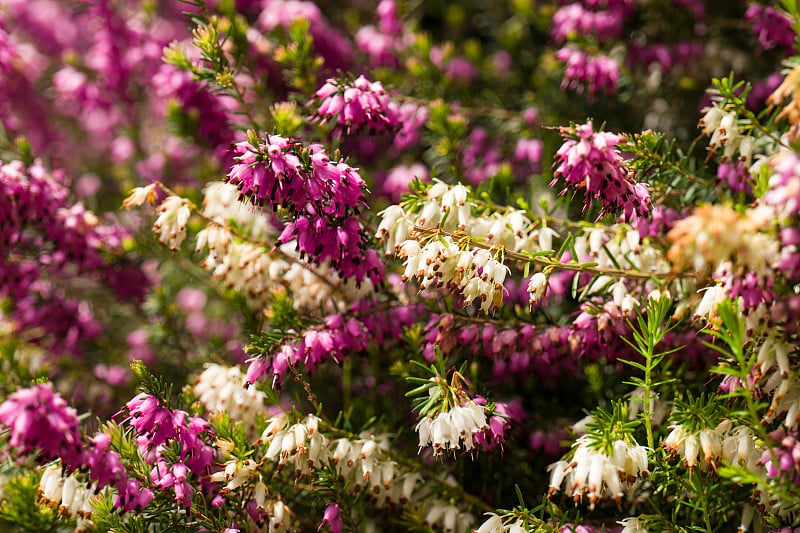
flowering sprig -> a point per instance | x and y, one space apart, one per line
589 161
355 107
325 199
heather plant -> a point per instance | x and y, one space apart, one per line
465 267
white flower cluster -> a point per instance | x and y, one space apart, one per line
452 429
222 388
447 518
247 267
173 215
593 474
723 128
782 380
441 263
73 497
235 474
708 447
476 274
301 443
632 525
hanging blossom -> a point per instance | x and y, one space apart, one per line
70 495
357 106
600 464
247 267
722 127
773 28
709 447
156 425
577 19
339 336
324 197
476 274
456 428
221 388
39 419
589 161
584 72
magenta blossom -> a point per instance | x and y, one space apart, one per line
357 106
590 162
332 517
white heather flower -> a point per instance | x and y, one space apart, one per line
447 518
702 448
493 524
171 222
631 525
140 195
222 388
593 474
452 429
72 496
301 444
537 287
712 296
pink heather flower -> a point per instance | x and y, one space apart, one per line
362 105
736 175
591 73
332 517
325 196
157 426
772 27
400 177
39 419
575 19
411 119
590 163
336 338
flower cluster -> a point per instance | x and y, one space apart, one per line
590 73
597 473
362 105
47 237
324 196
453 429
39 419
156 425
335 339
589 161
579 19
221 388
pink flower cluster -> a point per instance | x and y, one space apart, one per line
578 18
384 42
156 425
788 455
354 107
590 73
773 28
40 420
48 238
337 338
506 415
589 162
325 197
